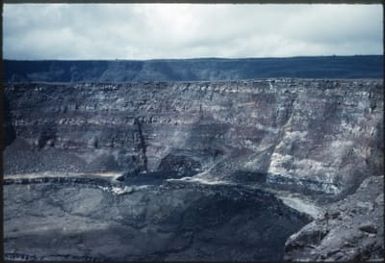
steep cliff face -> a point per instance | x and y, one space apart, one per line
315 135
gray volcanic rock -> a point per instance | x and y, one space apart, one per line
353 229
306 135
172 221
179 166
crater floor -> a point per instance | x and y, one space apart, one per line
70 220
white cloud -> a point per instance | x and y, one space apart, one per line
145 31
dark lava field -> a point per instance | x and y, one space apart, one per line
198 160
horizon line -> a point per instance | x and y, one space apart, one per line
196 58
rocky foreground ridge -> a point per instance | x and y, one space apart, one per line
318 138
352 231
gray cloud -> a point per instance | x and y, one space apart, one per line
145 31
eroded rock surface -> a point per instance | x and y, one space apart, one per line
314 135
352 230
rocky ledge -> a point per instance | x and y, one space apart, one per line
349 230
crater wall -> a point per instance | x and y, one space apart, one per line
321 136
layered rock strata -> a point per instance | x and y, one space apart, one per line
305 135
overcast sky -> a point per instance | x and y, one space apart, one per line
146 31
